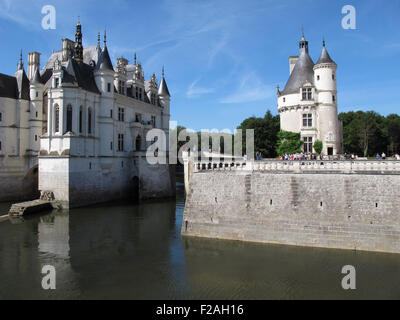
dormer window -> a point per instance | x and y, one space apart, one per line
57 83
307 93
108 87
318 77
1 117
284 99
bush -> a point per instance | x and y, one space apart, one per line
318 146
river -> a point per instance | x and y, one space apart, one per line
135 251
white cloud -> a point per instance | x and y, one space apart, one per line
250 89
195 91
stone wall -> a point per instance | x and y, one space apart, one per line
332 209
18 179
82 181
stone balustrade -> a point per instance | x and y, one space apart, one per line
314 166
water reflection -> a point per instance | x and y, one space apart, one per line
53 233
130 251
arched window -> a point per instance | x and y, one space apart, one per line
90 121
69 118
56 118
138 143
80 119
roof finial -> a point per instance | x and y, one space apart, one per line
79 19
105 38
98 39
163 71
20 64
302 31
323 41
135 57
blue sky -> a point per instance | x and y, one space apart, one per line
224 58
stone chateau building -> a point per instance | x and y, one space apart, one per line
79 125
308 104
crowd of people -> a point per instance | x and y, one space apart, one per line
311 156
301 156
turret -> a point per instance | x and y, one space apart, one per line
325 71
164 99
36 111
36 87
325 83
22 81
22 107
104 72
104 76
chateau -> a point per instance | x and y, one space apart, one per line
308 104
80 124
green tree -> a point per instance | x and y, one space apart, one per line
364 133
392 131
265 133
288 142
318 146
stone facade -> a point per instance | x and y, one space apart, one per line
309 103
82 124
21 125
335 206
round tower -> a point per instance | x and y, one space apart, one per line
164 99
325 84
36 110
104 73
104 76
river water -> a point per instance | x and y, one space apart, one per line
131 251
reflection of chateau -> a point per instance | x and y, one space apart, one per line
308 104
87 121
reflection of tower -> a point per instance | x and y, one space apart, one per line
53 238
54 235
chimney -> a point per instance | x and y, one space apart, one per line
33 63
292 62
67 49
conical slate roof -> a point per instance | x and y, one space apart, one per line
325 58
303 72
23 84
36 78
104 62
163 88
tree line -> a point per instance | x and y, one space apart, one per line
364 134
